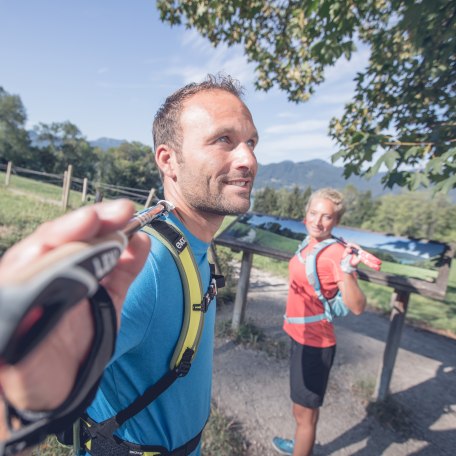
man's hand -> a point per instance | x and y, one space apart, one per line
43 379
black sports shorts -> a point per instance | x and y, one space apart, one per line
309 373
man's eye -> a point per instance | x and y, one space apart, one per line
251 143
224 139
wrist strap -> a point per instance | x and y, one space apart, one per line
38 425
346 266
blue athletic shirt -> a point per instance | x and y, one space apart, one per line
150 327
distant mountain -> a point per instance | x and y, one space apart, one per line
314 173
106 143
102 143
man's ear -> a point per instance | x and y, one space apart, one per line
165 157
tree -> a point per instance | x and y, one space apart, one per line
14 140
360 206
403 113
266 201
290 203
130 165
64 143
415 214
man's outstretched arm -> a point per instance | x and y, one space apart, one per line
45 377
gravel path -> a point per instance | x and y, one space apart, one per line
252 387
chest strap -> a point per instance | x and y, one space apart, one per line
104 446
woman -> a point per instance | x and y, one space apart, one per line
313 342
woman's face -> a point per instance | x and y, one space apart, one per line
321 218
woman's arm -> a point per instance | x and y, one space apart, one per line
352 295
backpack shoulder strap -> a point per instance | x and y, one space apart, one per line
334 306
304 243
179 248
311 264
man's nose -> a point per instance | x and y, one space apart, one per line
245 157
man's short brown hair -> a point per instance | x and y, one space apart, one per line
166 127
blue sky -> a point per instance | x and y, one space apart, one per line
107 65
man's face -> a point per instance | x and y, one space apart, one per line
217 164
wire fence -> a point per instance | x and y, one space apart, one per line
82 185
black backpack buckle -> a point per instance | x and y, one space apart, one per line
185 364
217 281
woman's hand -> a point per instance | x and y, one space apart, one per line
354 254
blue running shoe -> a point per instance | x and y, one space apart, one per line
283 446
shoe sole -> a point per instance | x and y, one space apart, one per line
280 450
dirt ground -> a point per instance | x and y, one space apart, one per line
252 387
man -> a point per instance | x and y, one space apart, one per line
45 377
204 141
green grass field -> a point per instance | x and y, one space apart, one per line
26 203
41 190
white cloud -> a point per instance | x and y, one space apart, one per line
191 38
344 68
286 115
339 85
300 142
296 127
296 148
211 60
123 85
336 98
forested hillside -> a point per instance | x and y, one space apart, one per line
314 174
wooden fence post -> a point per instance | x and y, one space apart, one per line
8 173
85 184
98 195
399 303
64 185
242 288
67 186
149 198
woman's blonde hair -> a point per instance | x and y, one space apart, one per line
333 195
